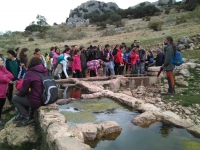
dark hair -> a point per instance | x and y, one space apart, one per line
128 49
94 47
23 50
70 59
34 61
170 39
36 50
17 49
122 46
12 53
151 53
66 46
137 46
66 49
52 48
76 51
107 45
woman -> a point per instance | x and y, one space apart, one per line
55 56
76 64
127 59
37 53
149 59
135 60
23 56
119 63
32 98
6 77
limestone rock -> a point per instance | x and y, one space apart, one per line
16 136
180 80
110 127
144 119
185 72
191 65
154 69
70 143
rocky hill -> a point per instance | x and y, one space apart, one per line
77 15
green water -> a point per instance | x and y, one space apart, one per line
158 136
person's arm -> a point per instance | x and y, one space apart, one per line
167 56
8 74
44 61
4 79
25 85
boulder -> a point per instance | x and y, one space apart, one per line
154 69
180 80
110 127
144 119
70 143
185 72
191 65
181 46
16 136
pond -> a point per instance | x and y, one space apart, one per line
155 137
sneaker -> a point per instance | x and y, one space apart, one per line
18 119
25 122
2 122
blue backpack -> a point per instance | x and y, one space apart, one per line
177 59
126 58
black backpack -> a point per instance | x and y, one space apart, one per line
50 90
142 55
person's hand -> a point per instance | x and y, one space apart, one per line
11 82
74 71
107 58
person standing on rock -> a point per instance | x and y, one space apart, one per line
168 66
6 78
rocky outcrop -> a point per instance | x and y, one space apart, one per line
16 136
76 16
166 2
90 132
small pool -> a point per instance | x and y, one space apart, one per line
158 136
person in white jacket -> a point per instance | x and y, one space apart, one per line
62 66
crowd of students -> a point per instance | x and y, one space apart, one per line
74 61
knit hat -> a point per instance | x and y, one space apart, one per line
11 52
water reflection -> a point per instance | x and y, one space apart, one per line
165 129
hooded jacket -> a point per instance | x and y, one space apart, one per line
5 78
76 64
33 82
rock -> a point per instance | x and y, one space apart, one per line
181 46
191 65
141 89
144 119
61 101
115 84
110 127
180 80
187 112
154 69
16 136
70 143
185 72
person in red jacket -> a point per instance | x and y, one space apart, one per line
135 60
76 64
6 77
119 63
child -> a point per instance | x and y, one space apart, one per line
76 64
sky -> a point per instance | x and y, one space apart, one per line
15 15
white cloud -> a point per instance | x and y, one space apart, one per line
16 15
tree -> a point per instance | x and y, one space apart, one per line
42 21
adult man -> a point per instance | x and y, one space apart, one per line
107 57
168 66
142 55
83 61
159 58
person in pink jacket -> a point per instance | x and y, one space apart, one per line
6 77
76 64
55 56
135 60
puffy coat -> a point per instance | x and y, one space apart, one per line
33 82
5 78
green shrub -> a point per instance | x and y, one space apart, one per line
31 39
181 19
129 29
157 13
41 35
26 33
195 14
146 18
95 41
167 11
119 24
156 25
109 32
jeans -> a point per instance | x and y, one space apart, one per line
108 65
142 67
134 69
22 105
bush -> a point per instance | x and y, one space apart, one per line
31 39
195 14
95 41
129 29
119 24
41 35
109 32
157 14
26 33
156 25
167 11
146 18
181 19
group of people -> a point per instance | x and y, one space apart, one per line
79 62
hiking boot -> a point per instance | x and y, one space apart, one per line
26 121
2 122
19 118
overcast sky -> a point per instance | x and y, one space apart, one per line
15 15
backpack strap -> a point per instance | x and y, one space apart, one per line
39 74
